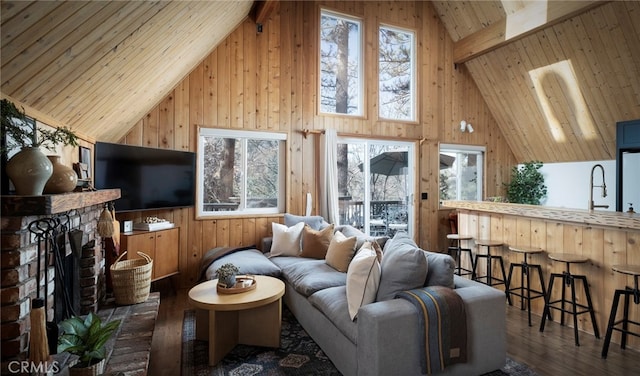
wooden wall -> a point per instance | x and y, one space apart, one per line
268 81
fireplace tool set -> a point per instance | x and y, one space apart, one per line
51 238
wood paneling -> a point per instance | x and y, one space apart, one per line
99 66
558 93
268 81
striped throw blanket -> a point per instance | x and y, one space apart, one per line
443 324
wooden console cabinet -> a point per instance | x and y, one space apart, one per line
161 246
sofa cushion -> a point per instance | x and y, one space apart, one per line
363 278
249 261
340 252
332 302
403 267
316 242
361 237
284 261
315 221
311 275
286 240
441 268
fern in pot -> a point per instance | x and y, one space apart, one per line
86 337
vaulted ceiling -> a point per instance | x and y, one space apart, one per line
99 66
556 76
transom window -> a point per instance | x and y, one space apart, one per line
240 172
340 64
396 70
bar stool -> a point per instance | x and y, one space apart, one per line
525 277
457 253
568 279
633 270
490 280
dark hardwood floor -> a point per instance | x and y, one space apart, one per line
550 353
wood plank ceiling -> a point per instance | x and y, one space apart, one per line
556 93
99 66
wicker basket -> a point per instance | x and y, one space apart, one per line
131 279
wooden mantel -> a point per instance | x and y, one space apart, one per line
600 218
55 204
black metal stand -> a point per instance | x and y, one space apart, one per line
627 292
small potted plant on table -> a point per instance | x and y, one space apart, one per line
86 338
227 275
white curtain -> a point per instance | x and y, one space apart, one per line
329 176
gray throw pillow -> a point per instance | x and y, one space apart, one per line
403 267
316 222
441 268
250 261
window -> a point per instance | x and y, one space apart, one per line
396 74
340 64
376 185
240 172
461 173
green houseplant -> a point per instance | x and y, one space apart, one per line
86 338
227 274
29 169
527 184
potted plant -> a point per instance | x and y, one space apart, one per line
527 184
86 338
29 169
227 274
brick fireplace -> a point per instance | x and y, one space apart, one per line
19 255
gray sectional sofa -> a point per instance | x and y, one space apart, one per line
384 339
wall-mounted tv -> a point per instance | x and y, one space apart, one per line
149 178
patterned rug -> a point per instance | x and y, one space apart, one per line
298 355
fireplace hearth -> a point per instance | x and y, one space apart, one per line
71 272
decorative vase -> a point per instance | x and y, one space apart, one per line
93 370
63 179
228 281
29 171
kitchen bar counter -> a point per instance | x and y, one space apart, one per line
601 218
606 238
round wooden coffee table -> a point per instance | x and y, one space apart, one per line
251 318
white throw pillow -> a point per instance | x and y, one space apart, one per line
286 240
363 278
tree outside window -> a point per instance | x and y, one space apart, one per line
240 172
340 64
396 74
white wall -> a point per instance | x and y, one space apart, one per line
568 185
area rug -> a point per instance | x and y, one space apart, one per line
298 355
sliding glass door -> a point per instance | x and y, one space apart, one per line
375 185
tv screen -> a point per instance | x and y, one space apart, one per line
148 178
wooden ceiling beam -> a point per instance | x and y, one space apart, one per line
263 10
537 15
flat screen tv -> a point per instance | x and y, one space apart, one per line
148 178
